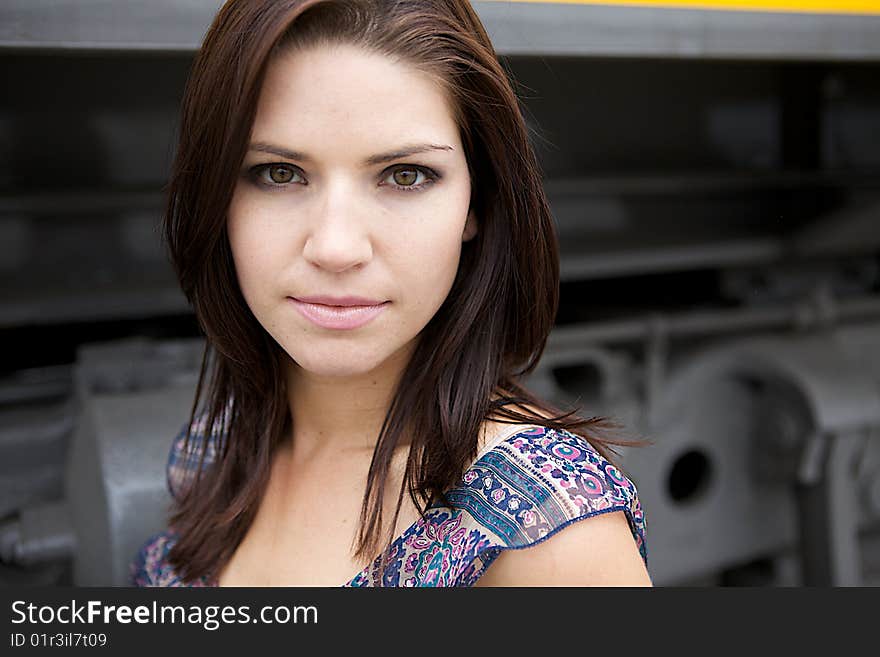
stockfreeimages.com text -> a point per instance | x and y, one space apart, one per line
210 617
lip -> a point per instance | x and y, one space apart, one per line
340 301
339 317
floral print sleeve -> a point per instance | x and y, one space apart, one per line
521 492
534 485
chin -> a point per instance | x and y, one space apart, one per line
336 364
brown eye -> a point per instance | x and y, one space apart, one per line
410 178
281 174
405 177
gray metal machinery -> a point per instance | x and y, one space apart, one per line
714 178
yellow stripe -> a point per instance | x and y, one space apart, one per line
803 6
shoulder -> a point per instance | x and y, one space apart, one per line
599 551
535 490
150 567
191 453
192 449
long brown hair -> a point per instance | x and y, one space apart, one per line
491 329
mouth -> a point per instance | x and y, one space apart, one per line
339 317
326 300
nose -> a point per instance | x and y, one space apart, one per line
339 236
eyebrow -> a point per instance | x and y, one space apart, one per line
380 158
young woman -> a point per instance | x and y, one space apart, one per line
358 219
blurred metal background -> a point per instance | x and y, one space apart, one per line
714 177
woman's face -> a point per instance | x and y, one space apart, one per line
355 184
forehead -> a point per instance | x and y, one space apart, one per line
327 94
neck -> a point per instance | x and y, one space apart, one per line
336 415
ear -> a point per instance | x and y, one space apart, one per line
470 227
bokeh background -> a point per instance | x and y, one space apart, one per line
714 173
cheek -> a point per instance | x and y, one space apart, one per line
254 251
427 260
236 230
435 230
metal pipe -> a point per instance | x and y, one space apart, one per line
802 315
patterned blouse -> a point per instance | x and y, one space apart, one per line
525 485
